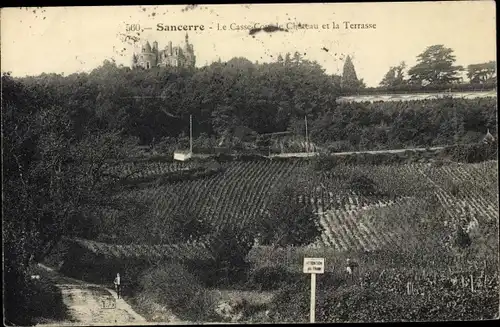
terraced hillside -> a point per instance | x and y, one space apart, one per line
138 170
349 213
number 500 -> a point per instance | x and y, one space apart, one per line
133 27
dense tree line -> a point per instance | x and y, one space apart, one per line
435 70
225 98
379 125
156 103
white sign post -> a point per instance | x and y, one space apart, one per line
313 266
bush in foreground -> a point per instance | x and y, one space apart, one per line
173 286
386 297
271 278
28 301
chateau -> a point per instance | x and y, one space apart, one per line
178 56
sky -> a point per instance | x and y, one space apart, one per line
78 39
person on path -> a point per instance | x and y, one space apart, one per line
351 269
117 283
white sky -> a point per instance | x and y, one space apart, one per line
73 39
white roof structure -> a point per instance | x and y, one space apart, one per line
182 155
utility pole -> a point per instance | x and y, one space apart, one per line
455 137
191 134
307 137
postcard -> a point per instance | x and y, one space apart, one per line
250 163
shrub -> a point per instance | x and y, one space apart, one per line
329 162
37 300
230 247
166 145
271 278
384 297
455 189
173 286
292 303
339 146
287 221
362 184
471 153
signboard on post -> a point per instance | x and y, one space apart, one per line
313 266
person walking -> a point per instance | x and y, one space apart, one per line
351 269
117 283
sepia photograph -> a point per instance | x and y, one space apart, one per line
250 163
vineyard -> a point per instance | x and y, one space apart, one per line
352 216
395 295
178 252
141 170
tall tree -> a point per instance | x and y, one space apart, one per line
482 73
395 76
288 59
349 79
435 66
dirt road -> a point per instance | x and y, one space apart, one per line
312 154
91 304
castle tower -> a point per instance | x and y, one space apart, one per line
147 58
146 48
176 56
189 53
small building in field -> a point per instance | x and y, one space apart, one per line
182 155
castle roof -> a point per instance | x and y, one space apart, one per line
147 47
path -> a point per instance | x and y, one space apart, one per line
92 304
312 154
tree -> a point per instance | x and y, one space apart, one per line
287 220
280 59
349 79
52 179
482 73
435 66
395 76
230 246
288 59
336 80
297 58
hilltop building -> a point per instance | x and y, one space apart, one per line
171 56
